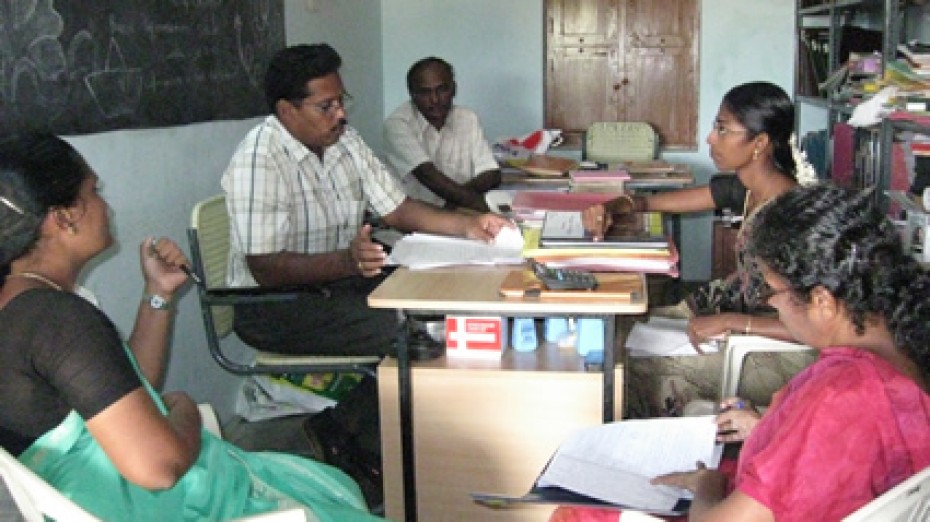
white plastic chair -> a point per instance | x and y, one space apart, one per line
738 347
38 501
909 501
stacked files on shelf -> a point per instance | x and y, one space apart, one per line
598 180
634 248
530 206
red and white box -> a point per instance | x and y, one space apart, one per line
475 336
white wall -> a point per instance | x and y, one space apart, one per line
495 46
497 49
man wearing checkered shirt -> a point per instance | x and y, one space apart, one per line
298 187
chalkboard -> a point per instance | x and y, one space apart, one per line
81 66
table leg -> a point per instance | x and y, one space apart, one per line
408 466
609 366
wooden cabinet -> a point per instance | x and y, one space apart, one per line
486 426
623 60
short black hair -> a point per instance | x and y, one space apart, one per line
292 67
421 65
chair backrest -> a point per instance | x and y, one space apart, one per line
618 141
739 347
35 498
909 501
210 253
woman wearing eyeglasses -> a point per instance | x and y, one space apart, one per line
856 422
751 143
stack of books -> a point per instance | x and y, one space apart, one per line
917 56
639 244
530 206
598 180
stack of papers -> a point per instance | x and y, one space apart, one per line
612 464
616 461
664 336
653 256
421 251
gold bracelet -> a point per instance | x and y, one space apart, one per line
631 200
748 329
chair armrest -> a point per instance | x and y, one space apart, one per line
257 294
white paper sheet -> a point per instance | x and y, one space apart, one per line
614 462
419 251
664 336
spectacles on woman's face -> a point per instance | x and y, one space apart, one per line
722 130
765 293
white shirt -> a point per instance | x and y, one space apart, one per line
281 197
459 150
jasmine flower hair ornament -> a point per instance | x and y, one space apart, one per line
804 171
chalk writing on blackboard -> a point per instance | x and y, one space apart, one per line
81 66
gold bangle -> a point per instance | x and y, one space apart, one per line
631 200
748 329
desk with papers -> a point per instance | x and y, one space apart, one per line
476 290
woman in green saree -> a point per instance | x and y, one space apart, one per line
79 406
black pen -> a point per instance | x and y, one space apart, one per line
190 273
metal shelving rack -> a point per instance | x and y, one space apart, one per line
837 12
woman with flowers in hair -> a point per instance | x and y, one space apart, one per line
752 144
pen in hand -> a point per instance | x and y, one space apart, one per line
190 273
184 268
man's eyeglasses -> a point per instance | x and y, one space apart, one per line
329 107
722 130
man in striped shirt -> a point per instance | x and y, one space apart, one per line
298 188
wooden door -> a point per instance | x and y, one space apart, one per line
660 79
623 60
581 61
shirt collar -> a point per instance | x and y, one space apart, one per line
423 124
292 145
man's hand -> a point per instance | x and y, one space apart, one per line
367 256
486 226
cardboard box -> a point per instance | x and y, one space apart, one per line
475 336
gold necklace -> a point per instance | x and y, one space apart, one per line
38 277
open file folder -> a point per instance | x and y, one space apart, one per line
611 465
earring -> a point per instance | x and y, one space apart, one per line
72 229
755 154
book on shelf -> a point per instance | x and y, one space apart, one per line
917 54
545 200
598 180
548 166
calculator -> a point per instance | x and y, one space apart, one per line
564 279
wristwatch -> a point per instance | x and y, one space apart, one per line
156 301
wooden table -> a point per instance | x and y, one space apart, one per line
475 290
